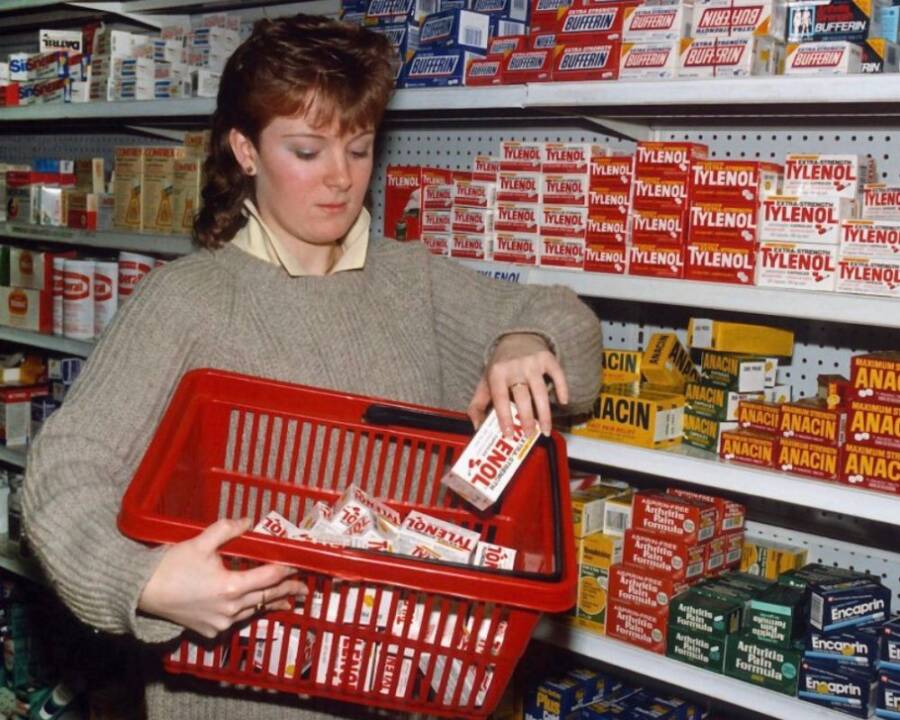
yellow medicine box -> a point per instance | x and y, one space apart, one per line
640 417
704 334
769 560
596 554
588 508
621 366
666 362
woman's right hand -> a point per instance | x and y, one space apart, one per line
192 587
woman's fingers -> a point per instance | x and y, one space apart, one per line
480 400
521 392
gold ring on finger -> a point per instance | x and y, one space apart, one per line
516 384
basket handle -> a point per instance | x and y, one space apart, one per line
376 414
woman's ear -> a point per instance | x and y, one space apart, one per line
244 151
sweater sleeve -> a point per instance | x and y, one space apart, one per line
473 312
85 455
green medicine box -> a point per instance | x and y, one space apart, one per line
762 664
695 648
776 616
742 373
715 617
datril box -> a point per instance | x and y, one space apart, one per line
869 276
824 175
563 221
874 424
730 57
874 468
612 172
675 156
881 202
518 248
657 23
517 217
637 625
661 227
798 266
590 61
603 258
634 416
739 18
690 520
653 259
607 226
811 21
649 61
564 189
719 261
734 182
875 378
870 238
528 66
748 447
563 253
807 458
759 416
793 219
643 587
812 420
681 560
823 58
519 186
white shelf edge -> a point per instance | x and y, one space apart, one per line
811 305
673 672
185 107
13 456
701 468
58 343
138 242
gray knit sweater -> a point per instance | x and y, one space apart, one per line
408 326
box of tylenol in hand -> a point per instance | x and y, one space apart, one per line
489 461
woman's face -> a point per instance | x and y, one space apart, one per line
311 181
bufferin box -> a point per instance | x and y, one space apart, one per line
823 58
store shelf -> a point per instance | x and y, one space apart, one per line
187 107
48 342
679 674
833 307
701 468
10 560
13 456
161 244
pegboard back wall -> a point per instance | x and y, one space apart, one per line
24 148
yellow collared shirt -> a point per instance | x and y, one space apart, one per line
255 238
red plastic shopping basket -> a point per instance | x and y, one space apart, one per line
375 628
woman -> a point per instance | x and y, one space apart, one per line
286 285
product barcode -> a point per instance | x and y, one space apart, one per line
616 521
506 28
474 36
695 569
816 610
731 523
519 7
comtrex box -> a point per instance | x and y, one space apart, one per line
839 605
636 417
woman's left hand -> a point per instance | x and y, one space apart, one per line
517 372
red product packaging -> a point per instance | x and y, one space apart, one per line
662 190
813 460
518 186
564 158
677 156
650 259
562 221
680 559
759 416
873 468
607 226
734 549
596 61
437 197
402 203
517 217
611 172
748 447
812 420
722 262
720 222
735 182
502 45
470 246
473 193
715 556
606 198
660 226
600 20
9 95
875 377
527 66
488 71
564 189
518 248
518 156
437 243
562 253
874 425
610 259
437 176
637 625
730 515
485 168
439 221
472 220
546 14
690 520
643 587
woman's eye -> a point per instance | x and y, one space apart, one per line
364 153
305 154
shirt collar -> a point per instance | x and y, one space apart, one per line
258 240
